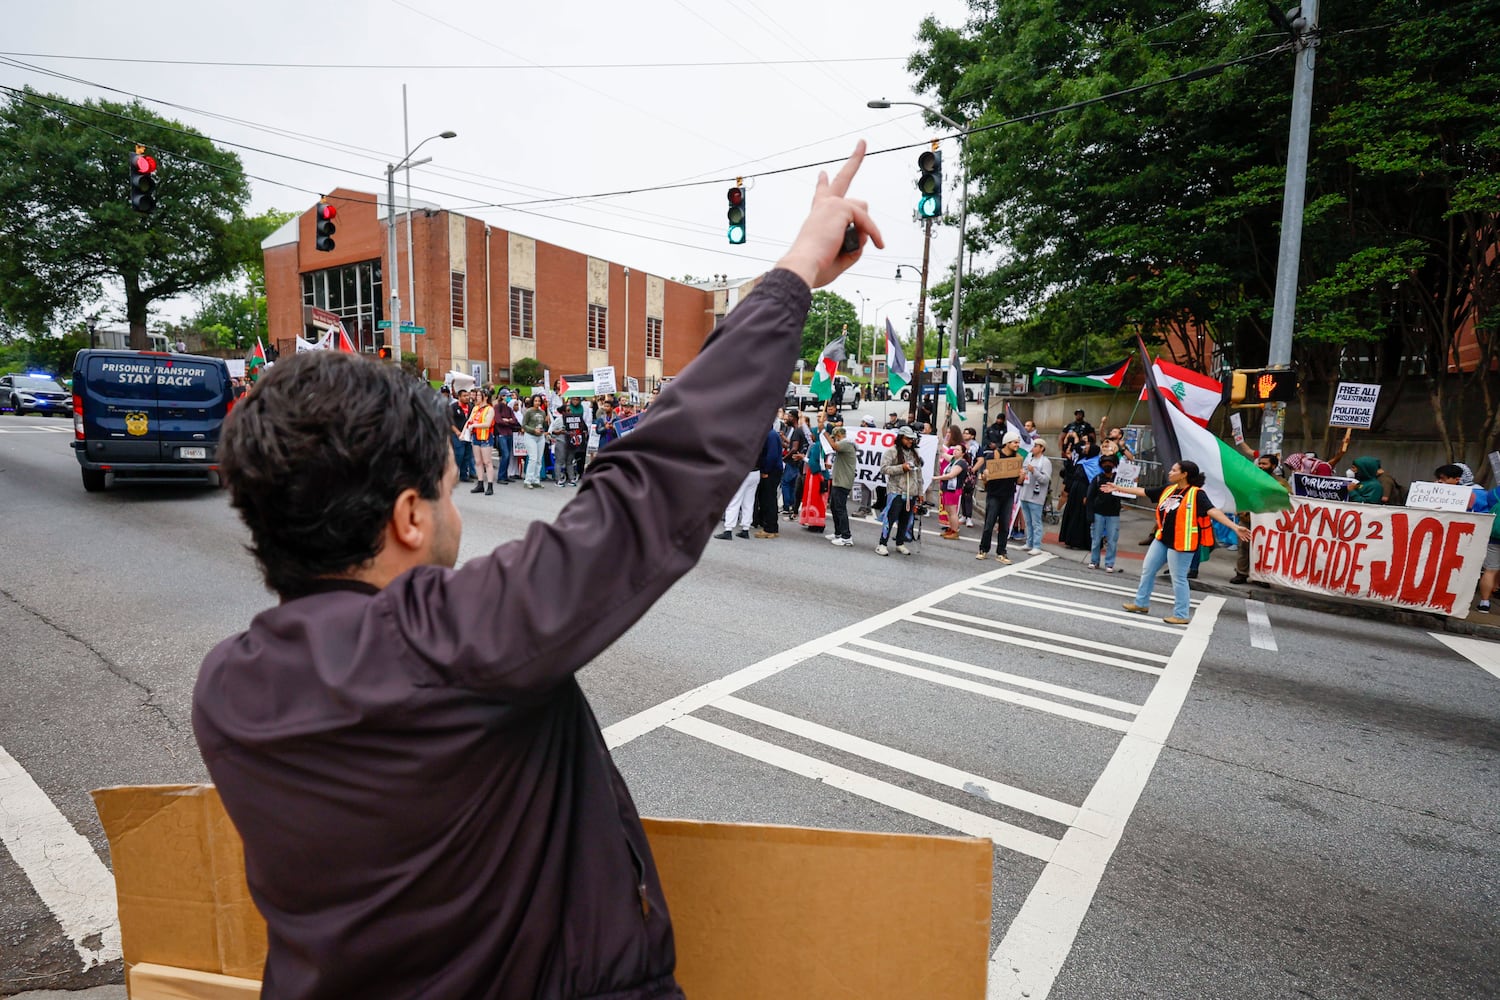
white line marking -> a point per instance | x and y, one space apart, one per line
61 864
1261 636
999 694
942 774
1136 621
1029 958
1075 640
644 721
1072 694
1105 588
994 593
1005 835
1071 654
1484 655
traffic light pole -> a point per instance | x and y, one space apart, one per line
1272 434
393 271
916 398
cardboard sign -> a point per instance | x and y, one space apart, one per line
1127 473
1321 487
1354 405
1003 468
604 380
1439 496
1424 560
236 367
632 385
871 443
1238 426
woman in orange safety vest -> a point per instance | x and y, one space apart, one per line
1183 523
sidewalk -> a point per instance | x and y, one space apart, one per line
1214 575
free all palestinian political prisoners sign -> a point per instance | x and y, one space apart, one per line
1354 405
1419 559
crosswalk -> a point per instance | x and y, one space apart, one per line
38 429
1089 665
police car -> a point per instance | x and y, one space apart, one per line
35 393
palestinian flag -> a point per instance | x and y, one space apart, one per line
1108 377
1234 484
576 386
825 368
341 342
257 359
897 368
953 388
1013 425
1197 395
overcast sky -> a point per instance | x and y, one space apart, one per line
569 121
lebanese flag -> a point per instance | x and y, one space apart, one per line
823 370
1197 395
1234 483
1108 377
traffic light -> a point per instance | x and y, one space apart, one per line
736 213
930 184
1254 386
384 352
324 215
142 181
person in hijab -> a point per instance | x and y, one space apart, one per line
1367 487
1074 528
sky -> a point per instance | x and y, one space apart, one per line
742 88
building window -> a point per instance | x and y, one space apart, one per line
522 313
458 299
354 294
653 337
598 328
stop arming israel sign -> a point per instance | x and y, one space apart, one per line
1424 560
871 445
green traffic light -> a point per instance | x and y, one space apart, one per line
736 234
927 207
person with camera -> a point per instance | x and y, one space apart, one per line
902 468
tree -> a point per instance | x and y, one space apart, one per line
827 319
526 371
235 312
66 225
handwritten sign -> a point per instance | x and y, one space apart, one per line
1425 560
1321 487
1439 496
604 380
1354 405
1127 473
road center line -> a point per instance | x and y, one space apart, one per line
1004 834
61 865
1261 636
645 721
1039 939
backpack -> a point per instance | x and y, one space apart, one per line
1398 494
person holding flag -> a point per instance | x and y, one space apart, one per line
825 368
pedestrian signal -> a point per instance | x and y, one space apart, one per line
324 215
930 184
736 214
142 181
1254 386
384 352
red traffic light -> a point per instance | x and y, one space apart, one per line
326 211
145 164
736 195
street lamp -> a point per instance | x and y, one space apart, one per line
963 195
393 273
859 351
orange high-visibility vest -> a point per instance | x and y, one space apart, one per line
1192 526
481 428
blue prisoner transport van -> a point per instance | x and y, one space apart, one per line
147 416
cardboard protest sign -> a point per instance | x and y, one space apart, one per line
1003 468
1439 496
1424 560
1321 487
604 380
871 444
1354 405
1127 473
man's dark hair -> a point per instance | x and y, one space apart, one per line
315 457
1448 472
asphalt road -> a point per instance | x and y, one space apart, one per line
1178 812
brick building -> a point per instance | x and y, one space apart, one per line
487 297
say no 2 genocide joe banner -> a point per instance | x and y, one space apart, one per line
1420 559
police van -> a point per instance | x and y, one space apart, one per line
148 416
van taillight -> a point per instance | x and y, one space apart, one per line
77 416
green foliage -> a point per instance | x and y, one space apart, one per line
526 371
827 319
66 226
53 354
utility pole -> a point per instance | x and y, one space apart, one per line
916 397
1304 29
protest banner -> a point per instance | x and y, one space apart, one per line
871 444
1127 473
1424 560
604 380
624 425
1439 496
1237 426
1320 487
1354 405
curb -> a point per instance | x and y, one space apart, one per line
1351 609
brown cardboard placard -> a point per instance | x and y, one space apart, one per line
758 911
1003 468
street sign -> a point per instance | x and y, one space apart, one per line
413 329
384 324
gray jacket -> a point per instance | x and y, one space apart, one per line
897 479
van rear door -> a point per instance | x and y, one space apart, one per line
193 399
121 422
